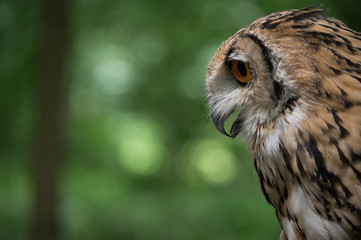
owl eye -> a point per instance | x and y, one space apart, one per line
241 71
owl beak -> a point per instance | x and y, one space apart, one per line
220 119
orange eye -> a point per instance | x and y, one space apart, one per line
241 71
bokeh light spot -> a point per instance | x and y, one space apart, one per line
113 73
140 145
215 163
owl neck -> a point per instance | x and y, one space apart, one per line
263 128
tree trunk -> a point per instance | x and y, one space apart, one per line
49 123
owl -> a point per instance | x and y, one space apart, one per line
292 80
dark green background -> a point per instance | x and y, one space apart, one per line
141 159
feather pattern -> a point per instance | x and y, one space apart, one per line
301 117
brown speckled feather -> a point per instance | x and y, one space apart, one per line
301 117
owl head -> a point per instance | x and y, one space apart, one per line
282 60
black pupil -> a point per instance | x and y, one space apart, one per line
242 68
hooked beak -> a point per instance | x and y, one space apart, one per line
220 119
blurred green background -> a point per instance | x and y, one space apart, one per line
104 128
